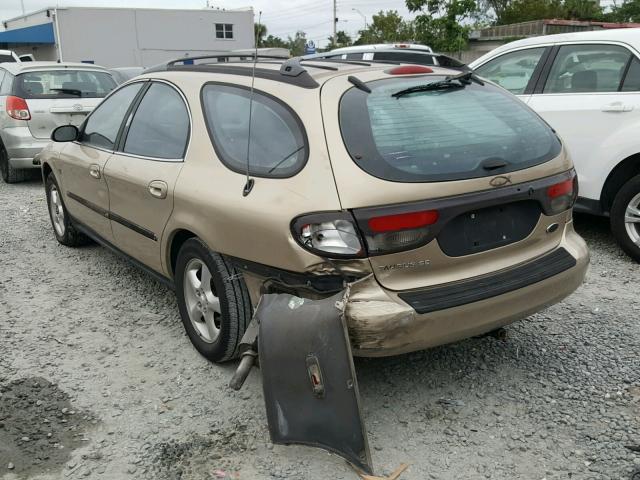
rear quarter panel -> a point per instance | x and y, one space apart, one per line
208 195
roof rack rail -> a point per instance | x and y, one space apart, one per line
225 55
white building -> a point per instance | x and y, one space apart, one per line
122 37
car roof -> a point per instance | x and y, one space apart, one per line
381 46
630 36
301 72
19 67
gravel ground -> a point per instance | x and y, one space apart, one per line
98 380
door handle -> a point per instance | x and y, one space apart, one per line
94 171
617 107
158 189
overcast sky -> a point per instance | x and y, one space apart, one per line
282 17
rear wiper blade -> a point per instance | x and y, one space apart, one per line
461 81
70 91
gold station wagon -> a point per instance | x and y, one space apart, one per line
438 200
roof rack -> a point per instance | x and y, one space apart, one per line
252 56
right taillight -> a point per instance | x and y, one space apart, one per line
17 108
562 195
401 231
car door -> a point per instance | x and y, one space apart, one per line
80 165
516 71
141 175
584 98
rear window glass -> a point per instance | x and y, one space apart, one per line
406 57
278 146
63 84
7 58
440 135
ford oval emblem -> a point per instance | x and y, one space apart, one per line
500 181
77 107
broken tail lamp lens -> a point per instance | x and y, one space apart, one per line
563 195
17 108
328 234
404 231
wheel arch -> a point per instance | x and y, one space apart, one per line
177 238
46 170
623 171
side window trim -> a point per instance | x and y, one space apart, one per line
626 71
84 122
128 117
131 113
545 70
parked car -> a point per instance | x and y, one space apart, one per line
391 53
124 74
36 97
438 236
587 86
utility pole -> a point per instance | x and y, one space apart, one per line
335 23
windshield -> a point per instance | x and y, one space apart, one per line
467 131
63 84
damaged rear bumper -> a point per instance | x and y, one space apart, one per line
382 322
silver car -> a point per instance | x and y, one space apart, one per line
35 98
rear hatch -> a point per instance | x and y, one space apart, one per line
61 97
445 182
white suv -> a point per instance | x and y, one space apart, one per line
587 86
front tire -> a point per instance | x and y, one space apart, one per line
213 300
7 172
63 229
625 218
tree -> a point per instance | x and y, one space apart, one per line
386 27
260 31
515 11
440 23
342 40
273 42
297 43
628 11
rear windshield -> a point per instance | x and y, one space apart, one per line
63 84
440 135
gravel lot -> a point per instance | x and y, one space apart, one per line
98 380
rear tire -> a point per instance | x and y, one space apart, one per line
7 172
63 228
625 218
215 312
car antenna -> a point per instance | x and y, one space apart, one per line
250 181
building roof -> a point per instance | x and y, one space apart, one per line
35 34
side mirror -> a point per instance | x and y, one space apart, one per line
65 133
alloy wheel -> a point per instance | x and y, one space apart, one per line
57 210
203 305
632 219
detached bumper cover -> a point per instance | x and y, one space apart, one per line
308 377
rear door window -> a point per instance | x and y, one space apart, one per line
278 144
160 126
102 127
63 84
440 135
513 70
587 68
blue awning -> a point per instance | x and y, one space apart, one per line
35 34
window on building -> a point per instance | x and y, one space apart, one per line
224 31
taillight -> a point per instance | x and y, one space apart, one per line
397 232
409 70
17 108
333 235
563 195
